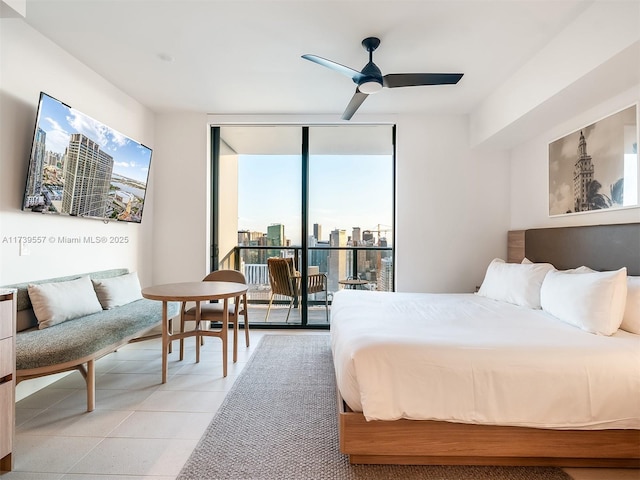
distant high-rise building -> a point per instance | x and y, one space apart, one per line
367 237
243 238
338 238
385 275
317 231
87 178
337 261
320 258
356 240
34 181
251 256
355 236
275 235
65 156
248 238
54 159
275 238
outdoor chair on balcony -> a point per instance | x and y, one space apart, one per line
317 283
285 281
213 312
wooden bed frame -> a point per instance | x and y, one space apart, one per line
424 442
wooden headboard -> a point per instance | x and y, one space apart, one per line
601 247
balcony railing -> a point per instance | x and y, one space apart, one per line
374 265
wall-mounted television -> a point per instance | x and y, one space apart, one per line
81 167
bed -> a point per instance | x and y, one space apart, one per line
507 384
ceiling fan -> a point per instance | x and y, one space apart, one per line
370 79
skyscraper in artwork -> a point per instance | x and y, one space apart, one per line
582 177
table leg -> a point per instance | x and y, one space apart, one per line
225 336
165 341
235 329
246 320
198 337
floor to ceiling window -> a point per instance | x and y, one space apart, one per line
320 197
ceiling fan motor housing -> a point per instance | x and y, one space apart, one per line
371 80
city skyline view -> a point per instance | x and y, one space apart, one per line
345 191
81 167
59 121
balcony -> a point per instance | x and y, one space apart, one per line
374 265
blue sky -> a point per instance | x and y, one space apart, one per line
130 158
345 191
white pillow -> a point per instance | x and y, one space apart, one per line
116 291
61 301
581 269
514 282
592 301
631 319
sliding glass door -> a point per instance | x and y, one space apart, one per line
351 204
320 197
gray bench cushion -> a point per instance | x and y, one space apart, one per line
84 336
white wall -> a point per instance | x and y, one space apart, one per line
530 173
181 176
452 206
30 63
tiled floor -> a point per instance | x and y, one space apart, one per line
140 428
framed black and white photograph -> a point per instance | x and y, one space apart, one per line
595 168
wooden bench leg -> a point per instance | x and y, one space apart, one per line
89 375
91 385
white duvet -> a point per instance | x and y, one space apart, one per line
466 358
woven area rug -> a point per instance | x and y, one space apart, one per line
279 422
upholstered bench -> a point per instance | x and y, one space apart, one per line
76 343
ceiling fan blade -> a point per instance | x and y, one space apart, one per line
394 80
354 104
349 72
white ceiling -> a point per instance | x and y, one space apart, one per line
243 57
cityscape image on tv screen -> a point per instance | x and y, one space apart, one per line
81 167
